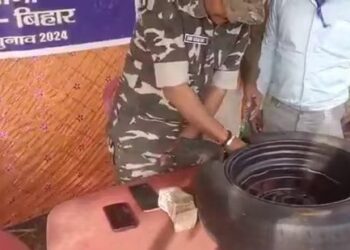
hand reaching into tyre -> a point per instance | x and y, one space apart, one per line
190 152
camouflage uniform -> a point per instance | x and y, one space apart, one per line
174 42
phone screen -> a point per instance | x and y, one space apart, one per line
120 216
145 196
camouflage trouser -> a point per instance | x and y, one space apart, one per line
137 143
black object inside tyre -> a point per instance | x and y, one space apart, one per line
284 192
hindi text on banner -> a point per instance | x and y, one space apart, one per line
26 17
8 2
16 40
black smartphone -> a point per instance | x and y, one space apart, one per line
145 196
120 216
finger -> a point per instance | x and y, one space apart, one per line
260 103
252 117
260 122
259 127
248 104
255 127
254 114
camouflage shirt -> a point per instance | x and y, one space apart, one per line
174 43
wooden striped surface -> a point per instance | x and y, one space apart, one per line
52 130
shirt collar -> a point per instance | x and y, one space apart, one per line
315 2
194 8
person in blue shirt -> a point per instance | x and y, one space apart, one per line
304 67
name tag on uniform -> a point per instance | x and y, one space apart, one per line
202 40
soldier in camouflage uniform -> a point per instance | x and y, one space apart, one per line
183 56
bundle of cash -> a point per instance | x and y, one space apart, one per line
180 207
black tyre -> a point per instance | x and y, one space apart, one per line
284 192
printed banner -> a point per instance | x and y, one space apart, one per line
42 27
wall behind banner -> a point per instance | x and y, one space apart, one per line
52 130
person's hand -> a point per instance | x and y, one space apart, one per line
189 152
256 121
252 104
190 132
252 99
236 145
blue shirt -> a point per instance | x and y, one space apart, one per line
305 62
